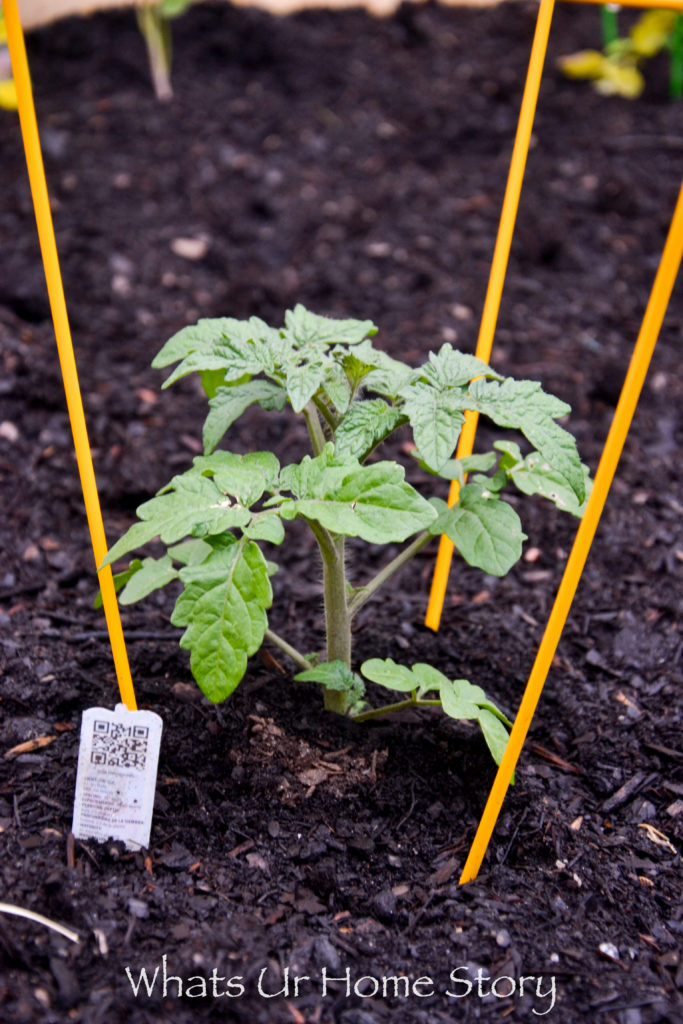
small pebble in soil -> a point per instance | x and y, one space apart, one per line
609 950
138 908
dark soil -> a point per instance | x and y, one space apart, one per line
356 166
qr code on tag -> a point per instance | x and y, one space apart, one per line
119 746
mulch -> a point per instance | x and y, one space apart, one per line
357 166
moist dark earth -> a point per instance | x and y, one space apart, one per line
357 166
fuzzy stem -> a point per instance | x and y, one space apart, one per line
323 537
400 705
337 618
314 428
371 588
327 414
292 652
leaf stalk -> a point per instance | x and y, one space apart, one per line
287 648
370 589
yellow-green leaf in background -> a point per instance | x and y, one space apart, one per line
583 64
8 95
651 33
620 80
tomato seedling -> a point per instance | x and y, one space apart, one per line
216 517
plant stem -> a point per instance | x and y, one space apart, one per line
676 73
337 620
400 705
292 652
323 537
327 414
157 34
337 617
371 588
314 428
610 25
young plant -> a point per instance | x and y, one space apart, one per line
154 21
616 70
215 518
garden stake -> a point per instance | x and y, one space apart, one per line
496 280
48 246
642 353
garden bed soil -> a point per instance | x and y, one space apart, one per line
356 166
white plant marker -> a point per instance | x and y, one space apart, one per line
117 771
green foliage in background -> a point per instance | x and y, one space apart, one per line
616 71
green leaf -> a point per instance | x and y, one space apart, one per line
462 700
354 368
436 419
336 386
266 526
245 477
486 531
237 347
388 673
533 475
212 380
456 469
320 331
303 380
364 426
195 506
120 579
235 357
449 368
334 675
230 402
190 339
523 405
459 699
223 608
173 8
583 64
189 552
389 375
428 678
373 502
315 476
153 574
652 32
495 734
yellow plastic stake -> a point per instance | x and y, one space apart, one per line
48 246
496 279
640 360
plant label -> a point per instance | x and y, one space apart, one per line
117 771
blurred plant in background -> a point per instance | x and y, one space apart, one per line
8 93
615 71
154 21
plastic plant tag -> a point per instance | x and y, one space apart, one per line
117 771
